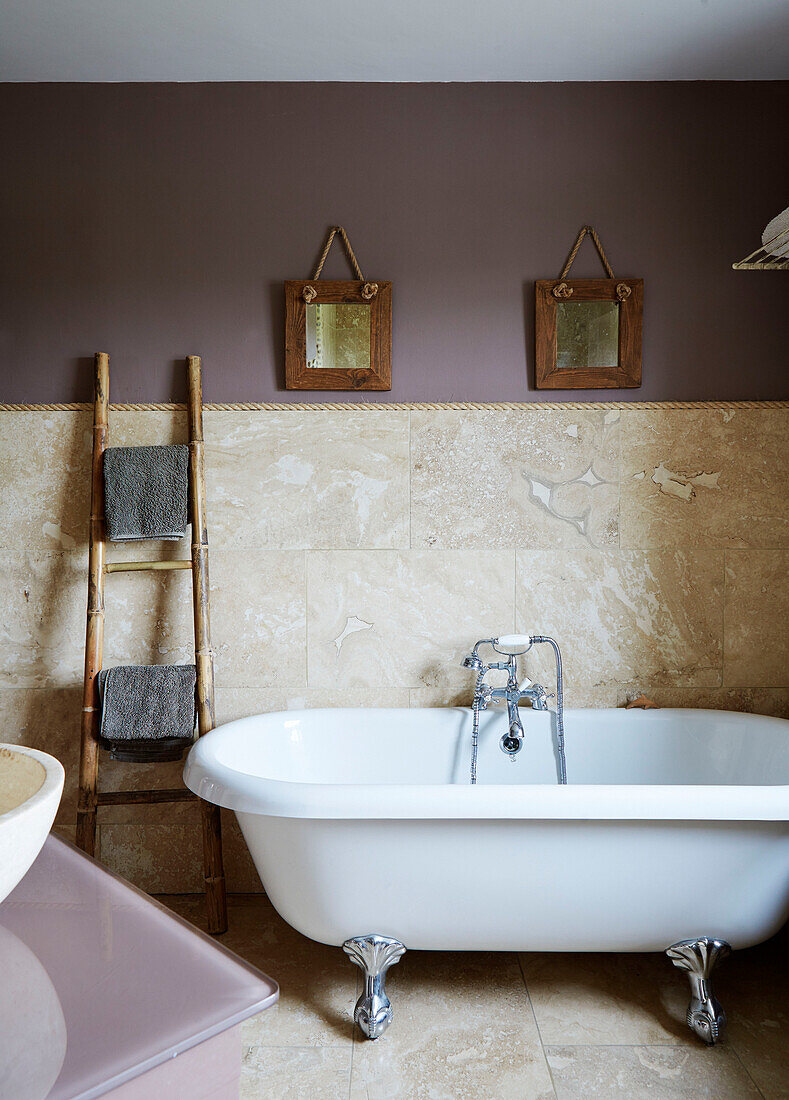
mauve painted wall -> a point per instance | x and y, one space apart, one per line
153 221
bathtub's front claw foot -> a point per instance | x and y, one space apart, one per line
699 958
374 954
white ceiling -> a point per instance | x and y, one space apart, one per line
392 40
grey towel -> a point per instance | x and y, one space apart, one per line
145 492
147 702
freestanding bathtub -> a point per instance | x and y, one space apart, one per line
671 832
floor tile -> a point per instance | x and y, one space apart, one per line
646 1072
607 998
463 1029
754 991
293 1073
317 983
466 1028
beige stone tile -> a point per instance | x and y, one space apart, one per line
257 618
148 618
156 857
294 1073
117 775
457 689
308 480
43 600
705 477
317 983
508 479
463 1028
402 619
756 641
190 907
753 989
45 478
232 703
644 1072
152 550
770 701
453 694
160 849
120 775
598 999
47 719
623 616
148 428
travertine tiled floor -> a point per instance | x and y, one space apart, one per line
503 1027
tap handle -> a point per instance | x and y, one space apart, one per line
512 644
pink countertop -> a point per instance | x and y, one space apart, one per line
98 983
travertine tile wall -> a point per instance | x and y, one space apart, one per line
357 555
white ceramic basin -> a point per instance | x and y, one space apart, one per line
31 783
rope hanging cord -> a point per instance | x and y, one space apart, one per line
407 406
562 290
369 290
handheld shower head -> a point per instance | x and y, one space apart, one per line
471 661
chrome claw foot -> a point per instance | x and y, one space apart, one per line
699 958
374 954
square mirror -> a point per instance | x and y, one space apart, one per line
588 333
338 335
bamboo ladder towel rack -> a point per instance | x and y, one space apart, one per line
90 798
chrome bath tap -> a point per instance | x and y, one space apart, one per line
511 646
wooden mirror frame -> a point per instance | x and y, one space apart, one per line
298 376
627 373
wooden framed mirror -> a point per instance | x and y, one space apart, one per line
338 340
338 335
588 331
591 338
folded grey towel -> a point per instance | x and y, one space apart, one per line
145 492
147 702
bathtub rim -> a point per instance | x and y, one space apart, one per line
243 792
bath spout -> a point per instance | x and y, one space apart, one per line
512 742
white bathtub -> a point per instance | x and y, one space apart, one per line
673 826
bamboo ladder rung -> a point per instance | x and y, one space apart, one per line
132 798
145 566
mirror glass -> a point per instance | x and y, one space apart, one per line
338 336
587 335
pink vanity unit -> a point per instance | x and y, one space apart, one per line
105 993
